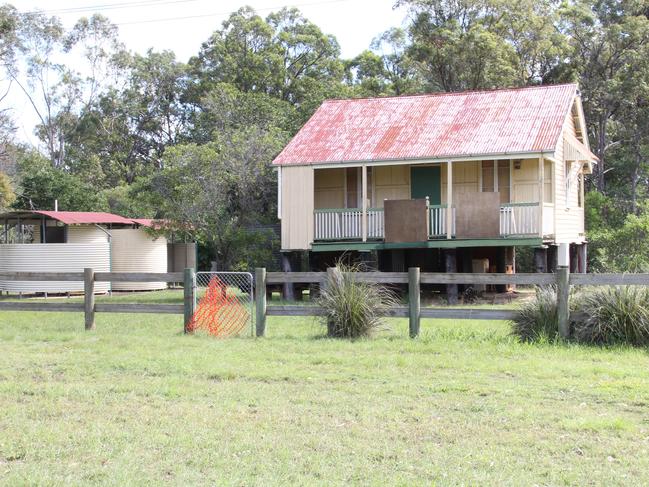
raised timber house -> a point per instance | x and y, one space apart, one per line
451 181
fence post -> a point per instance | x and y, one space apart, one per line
414 300
260 301
89 297
189 291
563 305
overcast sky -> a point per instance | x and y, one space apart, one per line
182 25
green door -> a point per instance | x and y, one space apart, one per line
426 181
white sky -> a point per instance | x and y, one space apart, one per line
182 25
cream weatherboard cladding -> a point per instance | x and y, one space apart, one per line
569 216
297 207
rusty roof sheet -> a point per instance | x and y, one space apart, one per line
84 217
478 123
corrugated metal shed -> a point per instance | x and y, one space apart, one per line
433 126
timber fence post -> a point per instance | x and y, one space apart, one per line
189 292
260 301
563 303
414 301
89 297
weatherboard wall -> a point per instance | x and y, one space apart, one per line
297 206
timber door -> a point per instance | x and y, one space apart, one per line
426 182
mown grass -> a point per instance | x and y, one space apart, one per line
136 402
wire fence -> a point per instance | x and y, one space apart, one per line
225 303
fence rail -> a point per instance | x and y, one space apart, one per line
89 307
413 278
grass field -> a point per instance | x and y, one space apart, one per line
137 402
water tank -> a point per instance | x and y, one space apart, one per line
53 258
134 250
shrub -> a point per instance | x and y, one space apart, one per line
536 319
610 315
353 309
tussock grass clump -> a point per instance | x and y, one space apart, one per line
536 319
353 309
613 315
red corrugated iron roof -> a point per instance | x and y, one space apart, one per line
433 126
84 217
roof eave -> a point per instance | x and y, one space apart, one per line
422 160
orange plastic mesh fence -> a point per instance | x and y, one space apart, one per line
225 308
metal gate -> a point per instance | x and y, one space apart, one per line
225 303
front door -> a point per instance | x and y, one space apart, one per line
426 182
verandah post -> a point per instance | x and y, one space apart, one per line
563 291
414 301
189 292
89 297
260 301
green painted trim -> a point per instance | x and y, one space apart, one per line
437 206
510 205
432 244
335 210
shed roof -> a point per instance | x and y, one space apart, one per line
83 217
507 121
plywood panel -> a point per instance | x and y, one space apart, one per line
410 229
297 207
477 215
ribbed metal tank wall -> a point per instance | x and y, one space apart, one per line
133 250
53 258
87 234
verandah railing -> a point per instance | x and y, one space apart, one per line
347 223
519 219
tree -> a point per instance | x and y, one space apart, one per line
608 42
457 46
284 56
40 185
219 191
57 92
128 128
386 69
7 195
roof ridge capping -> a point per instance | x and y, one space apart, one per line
454 93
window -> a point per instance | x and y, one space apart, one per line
487 176
548 193
352 199
496 177
353 184
580 192
504 181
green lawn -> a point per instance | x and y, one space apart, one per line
137 402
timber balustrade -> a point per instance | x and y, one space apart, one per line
562 279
